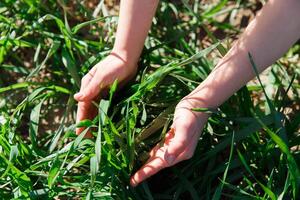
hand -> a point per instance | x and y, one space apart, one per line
180 142
97 81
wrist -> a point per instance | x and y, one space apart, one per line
201 98
185 114
192 103
126 56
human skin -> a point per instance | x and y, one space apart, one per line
275 28
121 63
267 37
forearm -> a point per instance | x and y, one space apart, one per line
135 20
267 38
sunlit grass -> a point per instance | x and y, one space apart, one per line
248 150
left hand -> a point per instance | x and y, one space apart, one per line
98 80
180 142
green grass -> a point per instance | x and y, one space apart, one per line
248 150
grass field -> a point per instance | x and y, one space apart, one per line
248 150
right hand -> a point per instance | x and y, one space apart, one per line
180 141
97 81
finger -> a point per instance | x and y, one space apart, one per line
182 138
168 137
188 152
153 152
92 90
85 110
153 165
81 114
85 82
157 163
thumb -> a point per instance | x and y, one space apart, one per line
91 91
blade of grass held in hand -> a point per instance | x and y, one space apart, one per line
206 110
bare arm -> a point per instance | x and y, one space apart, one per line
135 19
268 36
134 23
273 31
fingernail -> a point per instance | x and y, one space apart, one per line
170 159
78 95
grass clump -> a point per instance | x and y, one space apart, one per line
248 150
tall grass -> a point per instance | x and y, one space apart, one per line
248 150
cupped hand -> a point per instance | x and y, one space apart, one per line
179 144
97 81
